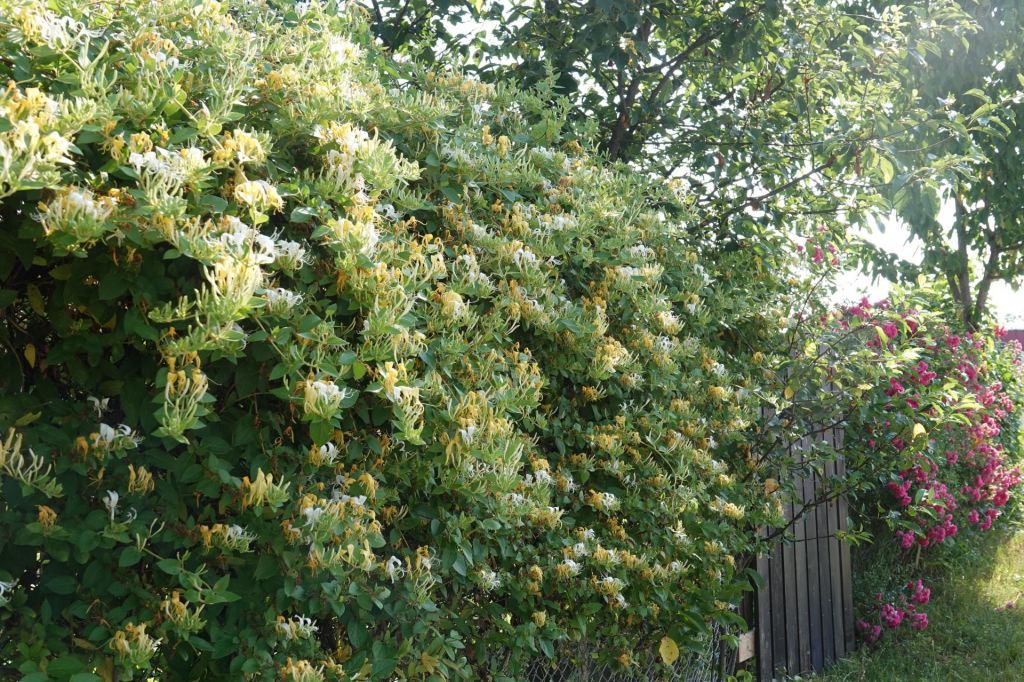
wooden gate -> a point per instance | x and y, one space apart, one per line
805 611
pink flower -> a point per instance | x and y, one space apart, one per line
895 387
921 594
819 255
918 621
892 616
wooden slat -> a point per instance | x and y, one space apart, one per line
814 636
824 574
792 590
764 615
778 607
764 622
844 561
800 566
835 566
805 612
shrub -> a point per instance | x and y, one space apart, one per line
320 366
941 436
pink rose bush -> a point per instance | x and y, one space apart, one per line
939 432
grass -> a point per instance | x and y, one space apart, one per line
970 638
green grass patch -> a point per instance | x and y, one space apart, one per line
972 636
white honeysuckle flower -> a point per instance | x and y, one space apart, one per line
328 453
312 515
110 502
525 259
489 580
393 568
259 194
544 476
516 500
107 435
468 434
264 248
611 583
323 398
282 301
289 255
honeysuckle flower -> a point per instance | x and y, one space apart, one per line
468 434
77 213
289 255
312 515
99 405
296 627
259 194
328 454
360 236
344 50
5 588
133 646
237 538
110 502
323 398
488 579
358 500
282 301
525 259
393 568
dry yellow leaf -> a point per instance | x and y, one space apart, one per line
30 354
669 650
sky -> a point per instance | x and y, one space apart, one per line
1005 303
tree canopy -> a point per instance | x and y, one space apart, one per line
978 78
780 113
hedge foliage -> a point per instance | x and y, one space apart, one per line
320 366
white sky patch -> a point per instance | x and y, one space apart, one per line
1005 303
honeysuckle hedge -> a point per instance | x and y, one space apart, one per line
319 366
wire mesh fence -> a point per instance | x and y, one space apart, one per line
579 663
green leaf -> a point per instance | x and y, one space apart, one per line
320 431
302 214
61 584
171 566
129 557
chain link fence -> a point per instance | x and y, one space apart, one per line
578 663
